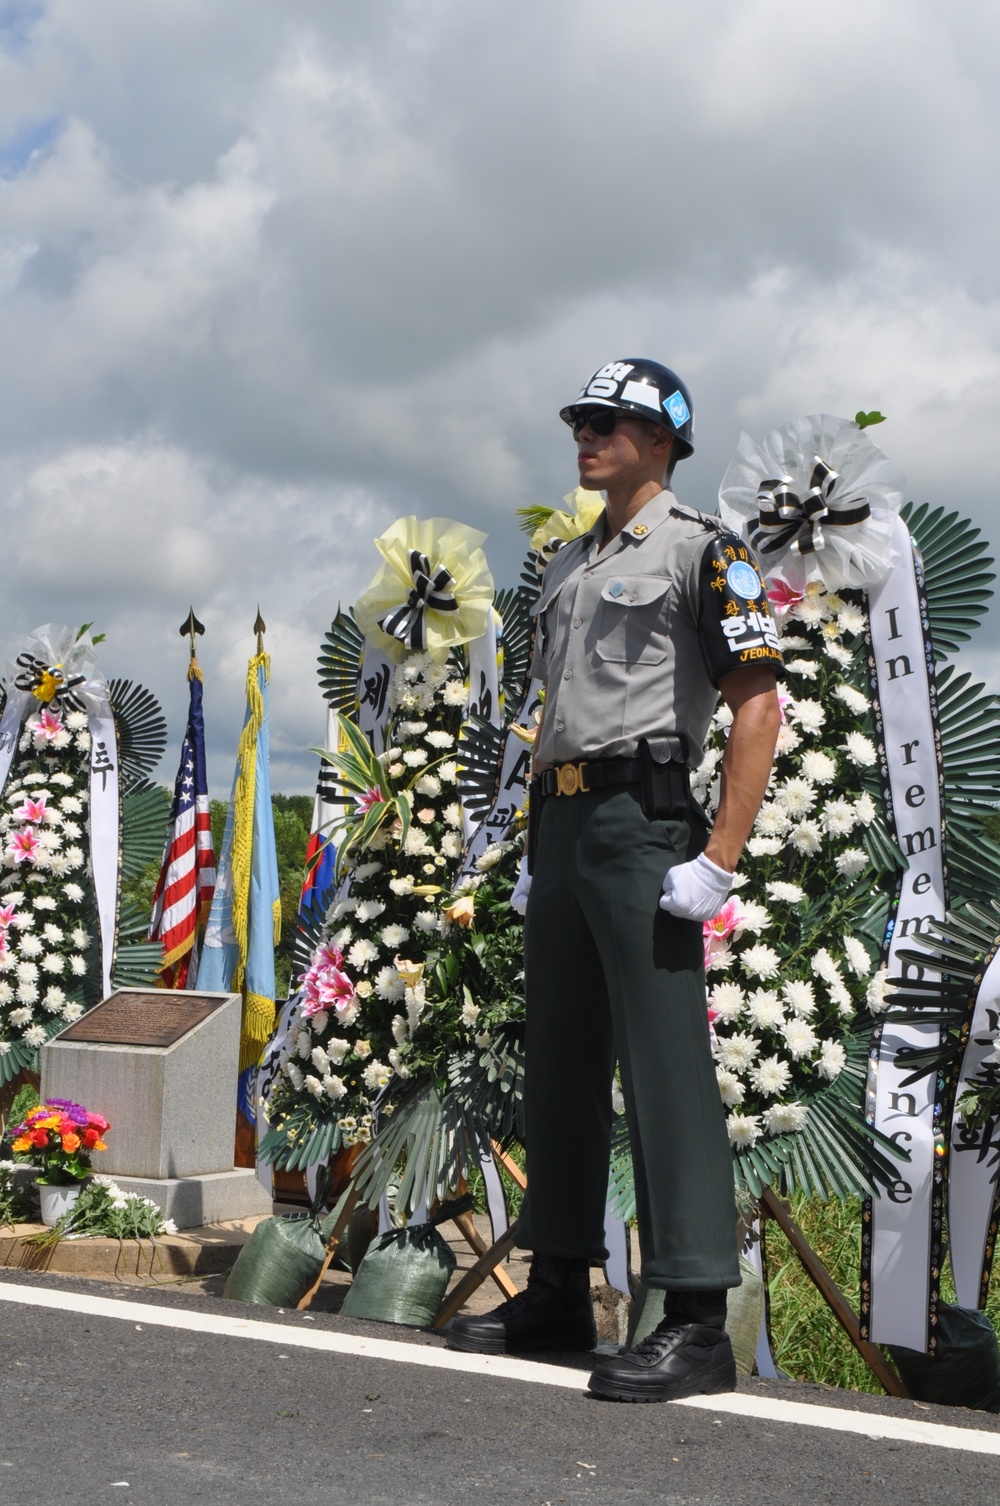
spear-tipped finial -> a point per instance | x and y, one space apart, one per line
189 627
260 628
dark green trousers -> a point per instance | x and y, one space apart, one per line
609 975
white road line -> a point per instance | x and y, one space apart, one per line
762 1408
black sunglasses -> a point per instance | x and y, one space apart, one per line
601 421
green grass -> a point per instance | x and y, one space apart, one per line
808 1342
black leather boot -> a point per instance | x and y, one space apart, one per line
554 1313
687 1354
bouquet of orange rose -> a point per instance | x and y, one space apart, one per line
59 1137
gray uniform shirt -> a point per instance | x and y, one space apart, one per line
631 642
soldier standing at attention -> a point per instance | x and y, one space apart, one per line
642 623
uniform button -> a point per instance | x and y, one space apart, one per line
560 726
568 675
632 595
577 621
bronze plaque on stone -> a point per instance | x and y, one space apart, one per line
157 1018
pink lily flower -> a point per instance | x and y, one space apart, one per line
7 913
781 595
46 726
717 931
371 797
334 990
22 846
32 810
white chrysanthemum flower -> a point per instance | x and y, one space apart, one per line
824 966
738 881
53 963
809 715
771 821
783 1118
34 1035
806 837
743 1129
416 843
20 1016
402 885
44 902
817 766
731 1090
342 939
727 999
720 959
78 966
736 1053
53 933
294 1075
723 716
785 893
839 817
389 985
428 785
27 972
319 1059
796 797
452 844
764 1009
412 729
490 857
860 750
453 814
74 858
72 1011
771 1076
80 938
23 920
314 1085
800 997
858 959
753 918
470 1013
850 619
73 893
53 1000
851 698
764 847
334 1087
70 829
440 739
30 946
6 992
304 1043
366 871
454 693
760 961
879 991
866 808
369 909
800 1038
427 920
807 668
832 1060
362 952
448 771
851 862
839 654
414 758
788 739
394 936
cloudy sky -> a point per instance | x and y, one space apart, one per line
273 274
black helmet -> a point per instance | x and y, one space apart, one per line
645 388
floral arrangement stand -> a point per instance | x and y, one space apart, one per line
154 1060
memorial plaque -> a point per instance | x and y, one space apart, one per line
158 1018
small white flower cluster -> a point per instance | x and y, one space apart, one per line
44 931
787 971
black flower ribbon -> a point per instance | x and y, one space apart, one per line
429 592
47 683
786 520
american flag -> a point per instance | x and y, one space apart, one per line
186 884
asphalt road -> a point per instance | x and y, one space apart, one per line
122 1409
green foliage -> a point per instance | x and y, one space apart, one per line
18 1198
103 1211
865 420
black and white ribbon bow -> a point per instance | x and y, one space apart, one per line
429 592
786 520
37 676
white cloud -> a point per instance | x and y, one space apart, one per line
270 276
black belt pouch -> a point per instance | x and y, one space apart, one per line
665 787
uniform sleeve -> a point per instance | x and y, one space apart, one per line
734 615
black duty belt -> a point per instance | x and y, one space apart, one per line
589 774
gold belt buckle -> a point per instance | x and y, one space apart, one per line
570 780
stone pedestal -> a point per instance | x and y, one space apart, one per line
162 1067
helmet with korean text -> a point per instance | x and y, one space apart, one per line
645 388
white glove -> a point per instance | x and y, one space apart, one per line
696 890
519 895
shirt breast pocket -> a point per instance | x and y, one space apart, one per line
631 620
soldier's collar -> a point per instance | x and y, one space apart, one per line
649 517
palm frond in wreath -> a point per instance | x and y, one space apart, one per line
957 570
515 607
145 815
340 663
142 731
480 752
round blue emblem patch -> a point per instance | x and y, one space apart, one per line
744 580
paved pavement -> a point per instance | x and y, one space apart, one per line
152 1396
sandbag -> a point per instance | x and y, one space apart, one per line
965 1371
404 1275
282 1258
744 1316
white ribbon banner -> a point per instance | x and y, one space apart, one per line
105 832
972 1170
901 1294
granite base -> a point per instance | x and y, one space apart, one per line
210 1199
